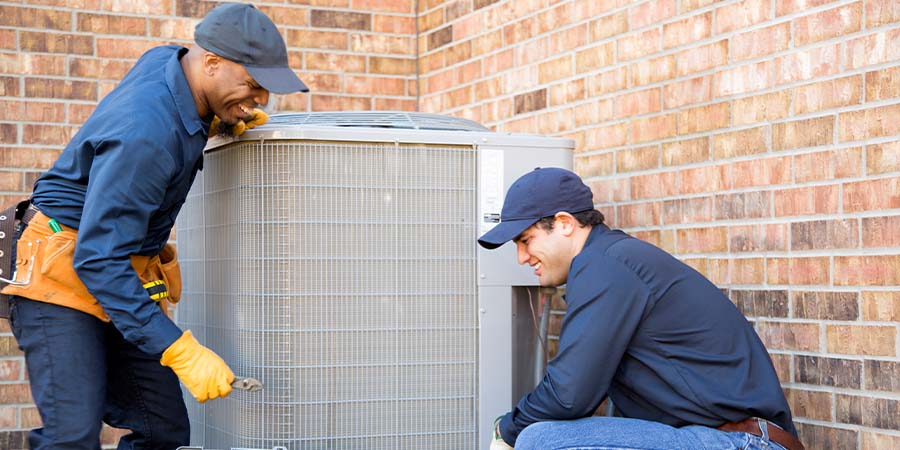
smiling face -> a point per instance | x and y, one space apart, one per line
232 93
547 251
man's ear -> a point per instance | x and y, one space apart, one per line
211 63
566 223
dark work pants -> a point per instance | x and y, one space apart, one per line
82 372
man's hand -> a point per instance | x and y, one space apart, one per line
497 443
217 127
201 370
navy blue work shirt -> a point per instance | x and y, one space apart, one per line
121 182
656 336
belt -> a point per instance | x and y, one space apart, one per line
776 434
30 213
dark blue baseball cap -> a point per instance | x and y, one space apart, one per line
540 193
243 34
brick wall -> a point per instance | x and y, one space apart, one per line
756 140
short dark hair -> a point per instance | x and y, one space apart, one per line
584 218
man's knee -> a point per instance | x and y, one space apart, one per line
534 436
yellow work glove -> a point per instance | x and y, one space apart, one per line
201 370
217 127
497 443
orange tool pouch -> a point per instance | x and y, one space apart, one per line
45 269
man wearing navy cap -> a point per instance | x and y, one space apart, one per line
683 367
97 346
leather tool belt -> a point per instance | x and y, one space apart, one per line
45 270
776 434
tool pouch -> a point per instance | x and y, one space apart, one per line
46 269
9 219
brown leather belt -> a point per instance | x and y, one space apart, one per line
776 434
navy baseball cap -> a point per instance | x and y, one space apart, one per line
243 34
540 193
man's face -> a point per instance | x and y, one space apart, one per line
547 252
234 93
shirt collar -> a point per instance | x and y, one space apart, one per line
181 93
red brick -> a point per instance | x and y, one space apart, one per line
11 370
758 237
803 133
641 158
861 340
653 128
397 6
173 29
652 186
759 303
881 306
784 7
653 70
873 49
808 64
638 45
594 58
761 108
702 240
555 69
881 231
33 41
743 205
826 305
366 43
740 15
32 111
317 39
594 165
828 165
638 103
338 103
694 90
555 18
822 371
882 375
883 84
703 179
828 94
8 39
828 24
396 104
690 5
869 270
15 393
610 190
608 26
685 152
878 441
692 29
797 271
740 143
45 19
373 85
60 89
8 133
606 82
458 53
743 79
594 112
47 134
103 69
814 405
872 195
824 234
516 32
687 210
869 123
644 214
79 113
652 12
124 48
111 24
822 437
394 24
761 42
606 136
789 336
702 58
881 12
807 201
487 43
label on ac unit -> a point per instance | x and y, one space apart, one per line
491 182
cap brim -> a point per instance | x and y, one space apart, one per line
280 80
504 232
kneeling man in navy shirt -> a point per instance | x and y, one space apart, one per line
681 364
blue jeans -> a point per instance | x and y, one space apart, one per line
82 372
608 433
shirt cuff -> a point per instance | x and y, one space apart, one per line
158 334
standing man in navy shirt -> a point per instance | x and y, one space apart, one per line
683 367
97 346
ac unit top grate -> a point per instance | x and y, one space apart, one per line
376 119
